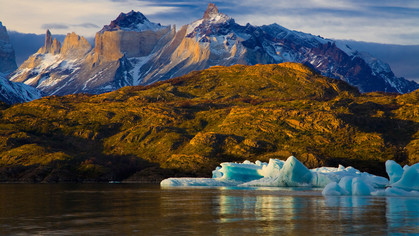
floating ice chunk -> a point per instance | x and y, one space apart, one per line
394 171
409 179
401 192
361 187
243 172
294 173
291 173
179 182
403 182
272 169
349 185
374 181
346 184
216 173
333 189
395 192
325 175
321 179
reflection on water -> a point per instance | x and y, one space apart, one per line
403 215
101 209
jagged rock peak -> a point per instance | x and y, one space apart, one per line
75 46
48 39
213 14
131 21
212 23
211 11
51 45
3 33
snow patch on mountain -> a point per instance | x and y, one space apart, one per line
132 21
12 93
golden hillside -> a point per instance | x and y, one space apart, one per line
188 125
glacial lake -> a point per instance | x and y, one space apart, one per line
138 209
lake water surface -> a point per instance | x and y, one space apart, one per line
137 209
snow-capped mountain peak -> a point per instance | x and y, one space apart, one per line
212 15
131 21
213 22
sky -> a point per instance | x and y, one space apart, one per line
380 21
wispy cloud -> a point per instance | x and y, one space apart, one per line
86 25
60 26
54 26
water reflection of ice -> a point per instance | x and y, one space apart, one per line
275 213
401 213
271 212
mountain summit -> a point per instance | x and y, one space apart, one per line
131 21
211 11
51 45
213 15
132 50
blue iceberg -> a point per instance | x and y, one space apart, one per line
292 173
403 182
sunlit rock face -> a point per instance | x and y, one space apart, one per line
75 46
113 45
51 45
53 65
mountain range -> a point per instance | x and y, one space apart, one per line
131 50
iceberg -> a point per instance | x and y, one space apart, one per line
403 182
338 181
289 173
409 179
394 171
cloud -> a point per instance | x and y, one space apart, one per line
54 26
87 25
59 26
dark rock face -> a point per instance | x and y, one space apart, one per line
128 20
10 92
7 53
